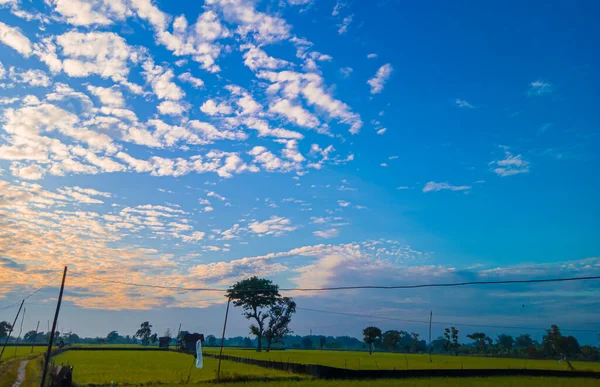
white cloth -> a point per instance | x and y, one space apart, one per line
198 354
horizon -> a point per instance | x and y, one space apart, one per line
314 143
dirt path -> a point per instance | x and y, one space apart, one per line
21 373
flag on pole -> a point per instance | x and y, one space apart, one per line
199 354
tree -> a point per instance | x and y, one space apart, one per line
154 338
451 340
523 341
5 327
30 336
211 340
589 353
322 341
307 343
182 334
167 333
371 336
280 316
482 341
254 294
391 338
113 337
144 332
506 342
247 342
551 342
415 337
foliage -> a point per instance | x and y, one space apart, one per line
482 341
307 343
280 316
154 338
391 339
5 327
523 341
506 343
322 341
555 344
451 340
254 294
371 335
211 340
113 337
144 332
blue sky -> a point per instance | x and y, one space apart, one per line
318 143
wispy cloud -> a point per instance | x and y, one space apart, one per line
539 87
510 165
433 186
461 103
381 77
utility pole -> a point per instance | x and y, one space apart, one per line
223 341
20 331
11 329
49 350
430 318
35 337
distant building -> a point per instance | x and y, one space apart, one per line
163 342
188 343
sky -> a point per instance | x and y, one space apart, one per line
315 143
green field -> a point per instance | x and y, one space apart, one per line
104 367
12 352
400 361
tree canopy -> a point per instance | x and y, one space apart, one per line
371 336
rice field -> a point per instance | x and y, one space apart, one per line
13 352
400 361
144 367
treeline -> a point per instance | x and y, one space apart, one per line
554 344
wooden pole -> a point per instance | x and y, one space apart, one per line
430 318
51 339
35 337
11 329
223 341
20 331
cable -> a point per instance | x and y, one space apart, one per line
505 282
439 322
31 294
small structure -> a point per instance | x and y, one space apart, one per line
188 343
163 342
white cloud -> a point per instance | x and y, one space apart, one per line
276 226
463 104
149 12
346 71
371 56
339 4
540 88
343 203
382 131
433 186
510 165
195 82
330 233
402 187
27 172
343 27
103 53
171 108
380 78
34 78
295 113
110 96
255 58
91 12
211 108
264 130
161 80
207 209
14 38
383 165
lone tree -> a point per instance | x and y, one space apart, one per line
280 316
154 338
144 332
371 336
322 341
415 338
254 295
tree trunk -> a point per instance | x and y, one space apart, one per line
259 345
268 344
370 349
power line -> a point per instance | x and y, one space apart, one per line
453 284
438 322
31 294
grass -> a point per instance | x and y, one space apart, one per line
8 372
399 361
438 382
13 352
104 367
